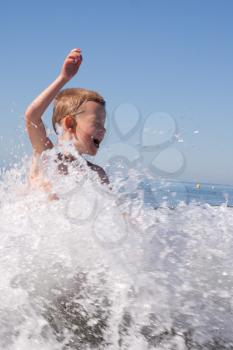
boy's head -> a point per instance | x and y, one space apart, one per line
81 114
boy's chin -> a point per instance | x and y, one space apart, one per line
91 151
94 152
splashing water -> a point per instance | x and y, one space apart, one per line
97 269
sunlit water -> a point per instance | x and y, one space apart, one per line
101 269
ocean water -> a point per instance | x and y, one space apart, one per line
171 193
114 269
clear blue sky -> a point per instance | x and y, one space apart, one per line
174 57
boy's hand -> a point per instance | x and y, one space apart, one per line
71 64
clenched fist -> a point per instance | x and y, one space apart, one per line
71 64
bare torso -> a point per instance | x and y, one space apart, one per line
37 177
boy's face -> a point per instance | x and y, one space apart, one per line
90 128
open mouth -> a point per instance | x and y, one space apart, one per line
96 142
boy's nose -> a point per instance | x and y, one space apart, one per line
102 131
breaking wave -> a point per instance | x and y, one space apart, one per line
99 269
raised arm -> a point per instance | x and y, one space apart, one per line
34 124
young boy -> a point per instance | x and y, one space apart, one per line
79 113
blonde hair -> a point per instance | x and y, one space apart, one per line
68 101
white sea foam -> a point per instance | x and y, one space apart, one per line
97 269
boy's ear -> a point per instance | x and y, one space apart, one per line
69 123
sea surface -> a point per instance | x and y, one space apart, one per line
145 265
174 192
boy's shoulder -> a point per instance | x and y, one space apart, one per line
101 172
